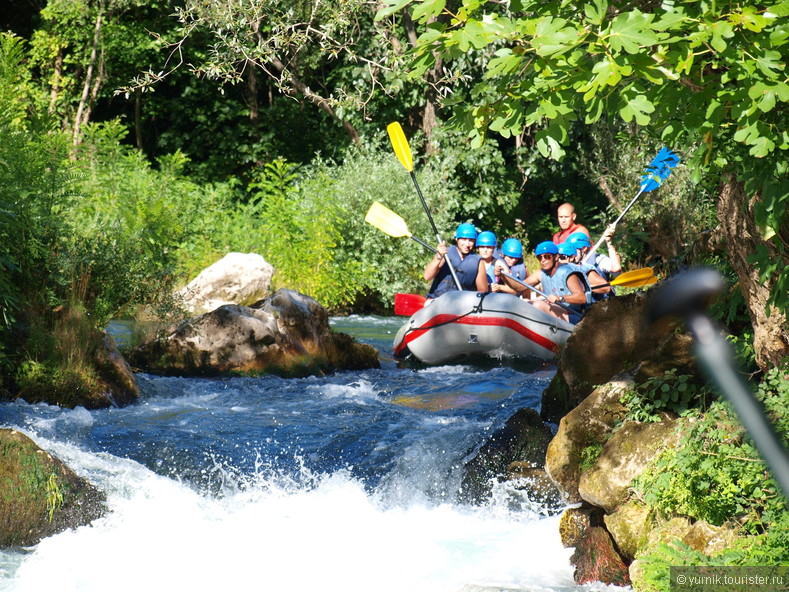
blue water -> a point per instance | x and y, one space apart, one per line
344 482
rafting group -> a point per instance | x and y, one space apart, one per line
572 275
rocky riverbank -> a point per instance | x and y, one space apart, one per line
604 455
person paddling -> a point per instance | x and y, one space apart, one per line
597 286
565 285
512 263
486 249
609 266
567 224
470 269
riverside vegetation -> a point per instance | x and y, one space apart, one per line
715 475
108 203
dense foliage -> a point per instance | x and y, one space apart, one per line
717 475
708 79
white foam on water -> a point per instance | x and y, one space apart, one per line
360 391
270 535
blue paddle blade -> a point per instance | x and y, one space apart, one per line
659 169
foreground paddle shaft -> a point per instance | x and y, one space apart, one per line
686 295
530 287
403 153
657 171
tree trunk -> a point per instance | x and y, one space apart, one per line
56 79
432 76
138 119
88 80
98 80
742 236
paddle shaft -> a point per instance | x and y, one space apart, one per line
541 293
435 230
622 215
716 357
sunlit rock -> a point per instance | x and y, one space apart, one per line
709 539
39 495
624 457
237 278
588 425
286 334
629 526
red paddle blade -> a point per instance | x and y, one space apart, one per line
407 304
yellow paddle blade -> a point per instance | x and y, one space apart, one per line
386 220
400 145
636 278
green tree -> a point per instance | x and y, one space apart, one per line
707 79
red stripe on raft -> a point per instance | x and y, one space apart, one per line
484 321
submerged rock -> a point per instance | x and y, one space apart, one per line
524 438
39 495
287 334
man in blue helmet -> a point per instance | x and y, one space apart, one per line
512 263
565 285
597 287
470 269
607 266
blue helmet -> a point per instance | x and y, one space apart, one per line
512 247
486 239
546 247
579 240
466 230
566 248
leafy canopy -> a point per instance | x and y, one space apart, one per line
708 78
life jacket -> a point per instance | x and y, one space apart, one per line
586 268
595 260
562 235
519 271
557 284
466 270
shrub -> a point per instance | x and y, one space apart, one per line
670 392
716 474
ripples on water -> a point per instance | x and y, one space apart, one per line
345 482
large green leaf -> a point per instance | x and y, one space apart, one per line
427 9
631 32
390 7
552 36
638 107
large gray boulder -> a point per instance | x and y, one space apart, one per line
286 334
39 495
613 337
237 278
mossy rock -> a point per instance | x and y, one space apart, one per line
39 495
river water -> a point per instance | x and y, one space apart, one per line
339 483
